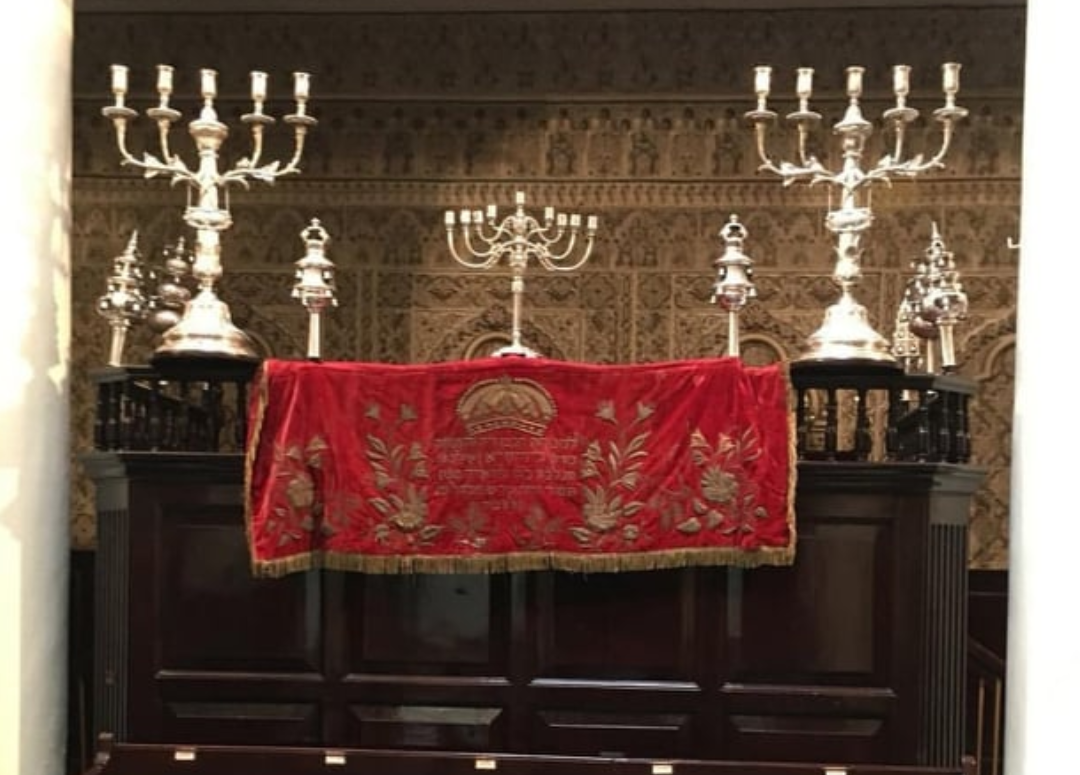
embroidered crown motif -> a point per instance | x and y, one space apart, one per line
506 402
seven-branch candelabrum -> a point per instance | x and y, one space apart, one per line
934 302
734 286
206 327
519 237
315 283
846 333
124 301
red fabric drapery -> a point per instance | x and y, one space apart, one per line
511 464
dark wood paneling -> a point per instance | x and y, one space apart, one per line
629 626
823 660
215 615
432 727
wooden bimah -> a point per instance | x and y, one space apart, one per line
851 655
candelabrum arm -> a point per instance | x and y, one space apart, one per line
891 165
474 259
256 143
150 164
298 149
554 260
789 173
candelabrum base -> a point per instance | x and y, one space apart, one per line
515 351
847 336
206 331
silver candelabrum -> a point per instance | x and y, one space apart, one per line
519 237
846 333
315 283
205 329
934 302
734 286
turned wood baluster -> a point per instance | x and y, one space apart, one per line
832 416
892 430
863 442
802 432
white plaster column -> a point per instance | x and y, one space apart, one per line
35 140
1043 681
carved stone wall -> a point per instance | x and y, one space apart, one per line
633 116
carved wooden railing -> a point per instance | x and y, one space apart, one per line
864 412
842 412
142 409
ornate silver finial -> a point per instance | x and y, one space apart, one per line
206 328
846 333
315 283
124 301
171 294
939 302
734 282
905 344
519 237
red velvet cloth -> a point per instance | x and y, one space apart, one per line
519 464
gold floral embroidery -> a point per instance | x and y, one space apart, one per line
401 471
301 511
616 473
726 497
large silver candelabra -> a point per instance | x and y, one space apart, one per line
519 237
315 283
734 284
206 328
846 333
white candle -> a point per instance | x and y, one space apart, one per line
560 221
549 214
466 217
477 216
519 197
901 79
762 74
950 77
119 79
449 217
592 223
301 86
258 86
575 221
804 82
854 81
492 211
164 78
209 83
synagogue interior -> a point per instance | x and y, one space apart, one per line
769 222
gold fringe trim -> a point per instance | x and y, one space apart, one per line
255 429
784 368
529 561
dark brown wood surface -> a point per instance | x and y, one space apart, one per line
854 654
